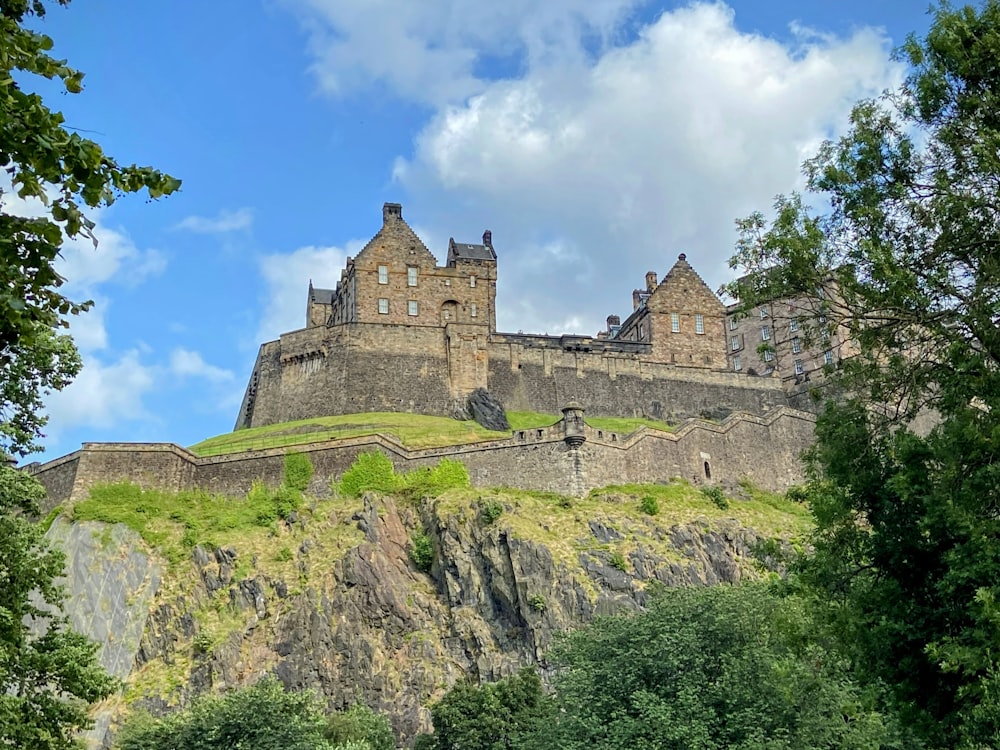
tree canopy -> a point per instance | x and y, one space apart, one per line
906 563
47 161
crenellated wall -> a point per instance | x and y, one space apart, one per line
764 449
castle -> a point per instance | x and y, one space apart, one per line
400 333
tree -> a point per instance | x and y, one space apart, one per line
361 726
907 260
504 715
733 667
261 717
47 681
44 160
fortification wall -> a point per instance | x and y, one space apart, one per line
358 368
542 379
764 449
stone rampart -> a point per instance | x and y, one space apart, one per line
359 367
764 449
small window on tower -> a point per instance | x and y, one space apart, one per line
383 274
737 365
699 323
411 307
472 281
383 306
472 310
675 322
411 276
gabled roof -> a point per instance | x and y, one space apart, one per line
397 232
322 296
681 272
467 251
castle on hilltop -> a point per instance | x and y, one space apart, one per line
401 333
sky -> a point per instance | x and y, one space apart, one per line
597 139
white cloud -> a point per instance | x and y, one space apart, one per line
104 394
432 51
287 277
187 363
226 221
591 172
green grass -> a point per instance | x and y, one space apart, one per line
412 430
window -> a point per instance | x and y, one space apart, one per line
699 323
828 356
675 323
411 307
383 306
765 333
737 365
411 276
796 345
383 275
472 309
734 343
763 312
732 323
768 355
793 325
798 367
472 281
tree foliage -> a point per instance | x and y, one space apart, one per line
907 262
505 715
261 717
360 727
47 680
718 667
47 161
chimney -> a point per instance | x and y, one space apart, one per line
391 212
650 280
488 238
636 298
614 320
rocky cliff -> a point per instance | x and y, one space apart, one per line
334 598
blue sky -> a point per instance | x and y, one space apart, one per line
597 139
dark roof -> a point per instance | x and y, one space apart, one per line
322 296
466 251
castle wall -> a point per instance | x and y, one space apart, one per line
764 449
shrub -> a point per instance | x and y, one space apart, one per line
618 561
284 554
490 511
298 471
431 482
285 500
370 471
537 602
715 494
421 552
360 727
797 494
649 505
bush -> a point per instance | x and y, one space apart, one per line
537 602
433 481
298 471
618 561
715 494
797 494
421 552
370 471
649 505
490 511
360 727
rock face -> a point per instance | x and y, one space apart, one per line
352 618
487 410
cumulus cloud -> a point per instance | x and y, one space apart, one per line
593 172
103 395
287 279
186 363
225 221
433 51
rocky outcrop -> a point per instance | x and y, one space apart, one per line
356 620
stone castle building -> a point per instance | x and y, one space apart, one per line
401 333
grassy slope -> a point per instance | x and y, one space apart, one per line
413 430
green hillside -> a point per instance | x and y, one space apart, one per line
412 430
